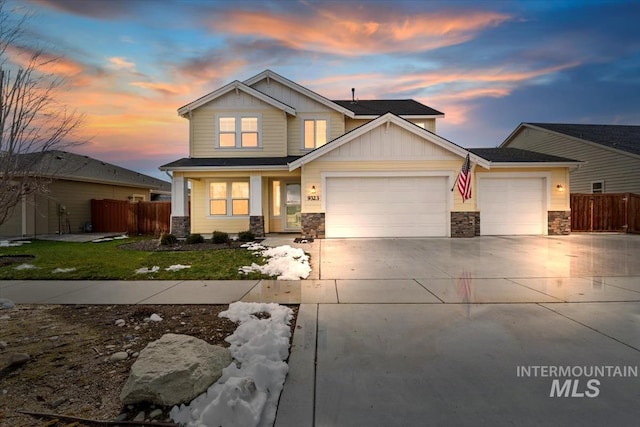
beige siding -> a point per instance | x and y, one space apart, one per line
351 124
203 127
617 170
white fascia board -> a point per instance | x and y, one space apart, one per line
383 120
233 86
572 165
300 89
224 168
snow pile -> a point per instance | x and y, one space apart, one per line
25 266
64 270
247 393
177 267
145 270
110 239
8 244
285 262
6 304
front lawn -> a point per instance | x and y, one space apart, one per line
92 261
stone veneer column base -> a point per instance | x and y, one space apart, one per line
465 224
256 226
313 225
180 226
559 223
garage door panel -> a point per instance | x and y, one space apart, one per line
512 206
386 207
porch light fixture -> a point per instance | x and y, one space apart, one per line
560 188
313 190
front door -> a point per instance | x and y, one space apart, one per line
293 199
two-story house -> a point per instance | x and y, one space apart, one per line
270 155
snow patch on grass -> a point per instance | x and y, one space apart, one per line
12 243
285 262
64 270
146 270
26 266
177 267
247 393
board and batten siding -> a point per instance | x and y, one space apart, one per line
618 171
351 124
203 127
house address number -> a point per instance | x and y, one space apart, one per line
313 197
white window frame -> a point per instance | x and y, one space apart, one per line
238 131
229 199
601 182
302 132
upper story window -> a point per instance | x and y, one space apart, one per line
238 132
314 133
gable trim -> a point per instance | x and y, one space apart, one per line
237 86
386 120
268 74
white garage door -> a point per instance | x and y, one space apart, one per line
386 207
512 206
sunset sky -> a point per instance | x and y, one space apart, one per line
488 65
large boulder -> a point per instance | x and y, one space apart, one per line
173 370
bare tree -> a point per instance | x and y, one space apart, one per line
32 121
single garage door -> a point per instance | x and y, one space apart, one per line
512 206
386 207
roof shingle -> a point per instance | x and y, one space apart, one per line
399 107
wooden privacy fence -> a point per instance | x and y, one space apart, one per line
605 212
121 216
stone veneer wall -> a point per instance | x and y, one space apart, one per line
559 223
256 225
180 226
465 224
313 226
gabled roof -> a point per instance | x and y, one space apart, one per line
619 137
519 157
399 107
381 121
207 163
237 86
268 74
75 167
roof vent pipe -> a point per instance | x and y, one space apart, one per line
353 95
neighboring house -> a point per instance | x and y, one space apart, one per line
611 153
270 155
73 180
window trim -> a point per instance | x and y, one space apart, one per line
229 198
601 182
302 132
239 132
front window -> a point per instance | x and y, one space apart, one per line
238 132
229 198
276 198
315 133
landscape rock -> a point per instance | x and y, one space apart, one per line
173 370
121 355
120 322
18 359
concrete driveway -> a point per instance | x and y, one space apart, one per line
495 331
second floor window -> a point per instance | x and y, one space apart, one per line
315 134
238 132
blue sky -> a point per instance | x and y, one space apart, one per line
488 65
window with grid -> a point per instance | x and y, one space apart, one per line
229 198
315 133
238 132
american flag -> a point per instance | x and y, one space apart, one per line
464 180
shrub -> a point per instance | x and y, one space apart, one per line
220 237
168 239
246 236
195 238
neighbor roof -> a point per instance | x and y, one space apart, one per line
620 137
229 162
64 165
517 155
399 107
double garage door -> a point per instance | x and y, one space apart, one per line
386 206
418 206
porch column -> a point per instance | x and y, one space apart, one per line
180 221
256 218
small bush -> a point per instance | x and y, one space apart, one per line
220 237
195 238
168 239
246 236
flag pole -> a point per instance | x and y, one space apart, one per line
455 182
